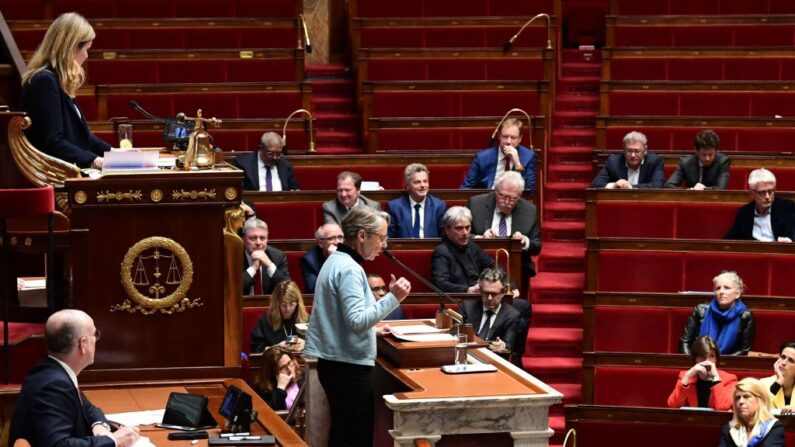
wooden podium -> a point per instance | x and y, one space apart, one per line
148 263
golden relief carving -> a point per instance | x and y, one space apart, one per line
118 195
142 274
81 197
156 195
234 218
182 194
230 193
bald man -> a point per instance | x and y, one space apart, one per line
50 410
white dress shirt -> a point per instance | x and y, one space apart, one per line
422 215
276 182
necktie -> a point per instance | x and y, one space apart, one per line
700 174
484 330
503 225
415 231
268 179
507 164
258 282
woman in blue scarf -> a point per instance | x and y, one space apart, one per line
752 424
725 318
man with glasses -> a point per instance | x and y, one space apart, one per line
266 169
767 217
510 155
50 409
379 289
327 236
265 266
634 167
417 213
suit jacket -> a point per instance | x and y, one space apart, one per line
524 219
249 163
310 263
454 268
506 325
484 166
720 397
268 282
775 437
49 411
782 219
334 211
714 177
651 171
57 129
401 213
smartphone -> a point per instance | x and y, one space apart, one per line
291 339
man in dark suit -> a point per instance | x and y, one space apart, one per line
416 214
634 167
706 169
264 266
349 186
266 170
767 218
456 263
327 237
379 289
500 324
50 410
508 156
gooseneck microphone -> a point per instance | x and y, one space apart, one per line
438 291
137 107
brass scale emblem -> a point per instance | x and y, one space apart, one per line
142 275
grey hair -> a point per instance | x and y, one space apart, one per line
456 214
254 223
733 277
413 169
271 137
495 274
635 136
512 178
320 233
362 218
760 175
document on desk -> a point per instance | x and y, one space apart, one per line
143 441
147 417
415 329
425 337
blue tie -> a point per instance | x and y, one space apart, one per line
503 226
415 231
268 179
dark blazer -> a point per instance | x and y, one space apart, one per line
651 171
310 264
263 335
693 325
454 268
56 127
334 211
49 412
524 219
268 283
396 314
775 437
715 177
249 163
782 219
507 324
401 213
484 166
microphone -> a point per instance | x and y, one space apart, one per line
504 117
307 43
438 291
137 107
311 130
509 42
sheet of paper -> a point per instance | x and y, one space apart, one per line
147 417
143 441
35 284
425 337
415 329
129 160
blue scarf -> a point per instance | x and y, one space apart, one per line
763 429
723 325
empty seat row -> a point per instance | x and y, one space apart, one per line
447 8
704 103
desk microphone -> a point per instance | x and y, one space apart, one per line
438 291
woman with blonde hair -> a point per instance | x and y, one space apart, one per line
280 378
752 424
49 86
277 327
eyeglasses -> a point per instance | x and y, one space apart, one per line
492 295
381 237
333 238
507 198
379 289
633 151
765 192
269 153
97 333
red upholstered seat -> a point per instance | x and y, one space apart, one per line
632 329
754 269
703 220
631 219
456 103
446 8
592 432
304 219
628 271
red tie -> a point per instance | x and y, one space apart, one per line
258 282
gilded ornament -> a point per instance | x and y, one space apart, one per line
193 195
28 241
230 193
81 197
131 195
156 195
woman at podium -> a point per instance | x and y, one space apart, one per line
49 86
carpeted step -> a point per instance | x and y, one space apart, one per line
336 138
566 192
583 69
558 288
336 121
325 71
557 315
562 257
578 55
586 102
557 423
574 119
332 104
557 342
564 211
563 231
570 173
339 150
554 369
570 155
572 392
342 87
574 137
583 85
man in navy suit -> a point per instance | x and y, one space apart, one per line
706 169
266 170
50 410
508 156
634 167
767 217
416 214
264 266
327 237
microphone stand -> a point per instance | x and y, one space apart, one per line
311 130
507 45
307 43
460 317
504 117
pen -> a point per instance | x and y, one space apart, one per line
244 438
226 435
